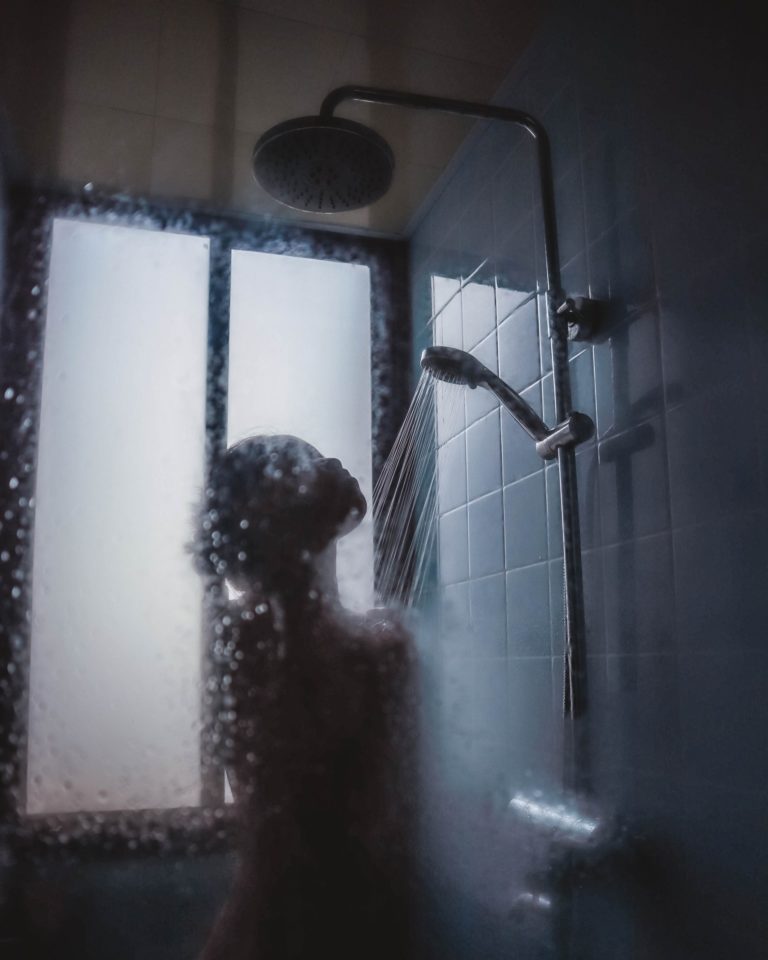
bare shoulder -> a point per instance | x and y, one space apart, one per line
387 634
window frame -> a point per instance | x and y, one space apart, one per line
209 826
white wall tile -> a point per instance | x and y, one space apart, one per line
183 159
113 53
191 59
111 148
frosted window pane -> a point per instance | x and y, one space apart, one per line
115 698
300 363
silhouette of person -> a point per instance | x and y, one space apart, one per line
319 728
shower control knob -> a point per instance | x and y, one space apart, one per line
582 315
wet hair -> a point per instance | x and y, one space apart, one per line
272 504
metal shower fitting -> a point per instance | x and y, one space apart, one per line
459 367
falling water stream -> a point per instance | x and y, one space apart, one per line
405 496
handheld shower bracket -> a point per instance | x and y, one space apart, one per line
575 429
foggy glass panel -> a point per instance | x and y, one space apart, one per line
115 699
300 363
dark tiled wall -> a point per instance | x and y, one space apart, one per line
657 120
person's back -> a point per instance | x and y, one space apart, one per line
321 761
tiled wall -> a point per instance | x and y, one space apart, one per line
659 143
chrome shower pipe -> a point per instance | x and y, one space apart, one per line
575 678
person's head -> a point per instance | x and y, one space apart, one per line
274 505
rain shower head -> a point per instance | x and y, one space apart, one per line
454 366
323 164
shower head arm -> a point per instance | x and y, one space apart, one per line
574 429
419 101
480 111
525 415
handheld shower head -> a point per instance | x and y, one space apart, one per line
461 368
454 366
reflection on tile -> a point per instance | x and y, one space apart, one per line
483 457
446 302
528 626
486 536
545 345
449 404
451 475
454 565
519 363
515 257
583 383
487 604
455 637
479 401
525 521
478 305
518 451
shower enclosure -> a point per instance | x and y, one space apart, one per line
325 164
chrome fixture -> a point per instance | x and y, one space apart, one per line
323 164
459 367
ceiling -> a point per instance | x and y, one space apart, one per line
301 49
167 97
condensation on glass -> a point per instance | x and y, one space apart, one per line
117 643
300 363
116 647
